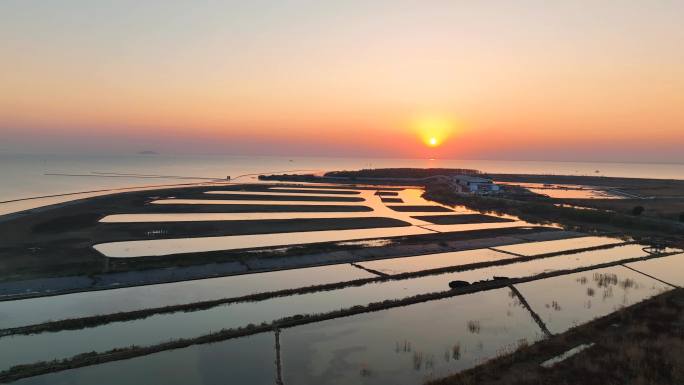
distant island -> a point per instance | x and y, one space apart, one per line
148 152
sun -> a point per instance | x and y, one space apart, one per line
433 130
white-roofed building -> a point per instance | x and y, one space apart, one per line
474 184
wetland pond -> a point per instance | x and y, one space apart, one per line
37 310
158 328
569 300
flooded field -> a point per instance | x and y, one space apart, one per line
476 226
201 217
569 300
42 309
550 264
545 247
246 360
25 349
668 269
155 329
395 345
434 261
406 345
283 193
568 191
133 249
178 201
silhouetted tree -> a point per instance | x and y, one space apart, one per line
637 210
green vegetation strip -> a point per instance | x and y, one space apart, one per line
94 358
97 320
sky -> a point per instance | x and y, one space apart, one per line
520 80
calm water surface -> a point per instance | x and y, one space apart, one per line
247 360
669 269
133 249
37 310
27 171
434 261
25 349
406 345
544 247
569 300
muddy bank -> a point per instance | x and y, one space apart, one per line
418 209
461 219
268 197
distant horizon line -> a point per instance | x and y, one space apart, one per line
154 153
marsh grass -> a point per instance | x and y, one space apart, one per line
642 344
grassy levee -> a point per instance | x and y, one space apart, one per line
93 358
97 320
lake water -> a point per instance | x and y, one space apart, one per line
23 175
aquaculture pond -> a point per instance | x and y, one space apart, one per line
132 249
434 261
569 300
162 327
280 193
196 217
406 345
512 270
25 349
228 216
545 247
550 264
669 269
475 226
314 190
245 360
568 191
180 201
37 310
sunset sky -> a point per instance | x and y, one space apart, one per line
527 80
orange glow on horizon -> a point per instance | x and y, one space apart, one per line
433 130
